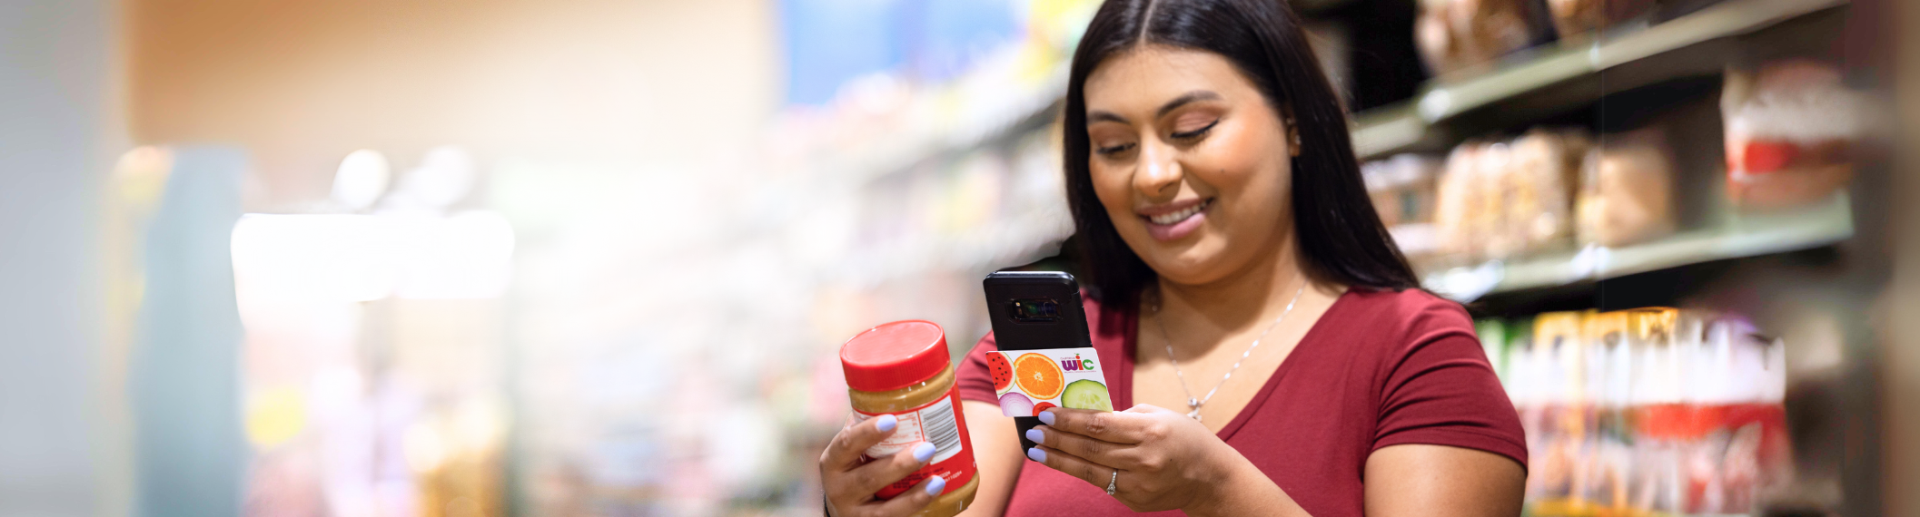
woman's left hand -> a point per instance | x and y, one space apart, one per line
1165 460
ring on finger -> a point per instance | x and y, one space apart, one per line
1113 482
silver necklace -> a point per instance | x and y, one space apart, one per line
1195 403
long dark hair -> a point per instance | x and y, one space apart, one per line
1341 237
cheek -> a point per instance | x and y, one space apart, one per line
1249 166
1113 187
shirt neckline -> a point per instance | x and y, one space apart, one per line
1130 346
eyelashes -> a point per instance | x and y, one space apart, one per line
1197 133
1186 137
1115 149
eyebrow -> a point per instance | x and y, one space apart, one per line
1176 103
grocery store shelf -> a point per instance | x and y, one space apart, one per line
1008 242
1384 130
1816 226
984 123
1400 127
1387 129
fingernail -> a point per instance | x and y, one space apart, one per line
886 422
935 485
922 452
1036 454
1036 436
1046 417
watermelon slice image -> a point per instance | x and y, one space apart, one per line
1002 371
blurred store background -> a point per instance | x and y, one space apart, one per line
594 257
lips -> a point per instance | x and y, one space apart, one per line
1175 220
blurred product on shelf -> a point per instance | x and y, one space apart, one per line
1790 128
1646 411
1454 35
1579 20
1497 200
1538 186
1457 200
1550 189
1402 189
1626 190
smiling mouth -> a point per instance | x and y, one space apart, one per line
1176 217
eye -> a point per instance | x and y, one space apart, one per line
1113 149
1197 133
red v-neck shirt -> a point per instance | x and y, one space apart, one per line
1380 368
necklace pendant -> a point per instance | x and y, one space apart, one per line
1195 414
1193 403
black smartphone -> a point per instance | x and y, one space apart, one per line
1034 310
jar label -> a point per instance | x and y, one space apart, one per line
940 423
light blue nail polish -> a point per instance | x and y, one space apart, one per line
1036 454
1036 436
935 485
922 452
1046 417
885 423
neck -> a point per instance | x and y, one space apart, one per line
1250 297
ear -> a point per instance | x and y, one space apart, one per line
1293 130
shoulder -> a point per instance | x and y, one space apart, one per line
1405 317
1430 379
1394 330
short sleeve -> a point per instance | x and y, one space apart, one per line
972 379
1440 390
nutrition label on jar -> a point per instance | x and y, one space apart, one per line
938 423
933 423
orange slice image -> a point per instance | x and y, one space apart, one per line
1038 376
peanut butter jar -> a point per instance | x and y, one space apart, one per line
902 369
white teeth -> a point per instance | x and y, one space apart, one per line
1164 219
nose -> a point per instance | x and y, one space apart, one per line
1158 173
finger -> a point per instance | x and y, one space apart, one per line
1097 451
845 449
1148 409
1124 428
870 478
1071 465
913 500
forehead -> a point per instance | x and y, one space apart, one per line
1147 75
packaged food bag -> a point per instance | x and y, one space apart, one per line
1626 191
1790 130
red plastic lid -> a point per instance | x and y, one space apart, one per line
894 355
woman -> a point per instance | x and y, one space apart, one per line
1270 340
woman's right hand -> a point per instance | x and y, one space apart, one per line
850 483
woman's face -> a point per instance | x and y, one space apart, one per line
1190 160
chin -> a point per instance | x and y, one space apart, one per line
1189 263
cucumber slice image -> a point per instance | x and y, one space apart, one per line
1086 394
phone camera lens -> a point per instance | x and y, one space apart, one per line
1036 310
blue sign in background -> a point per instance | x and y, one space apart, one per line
829 42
